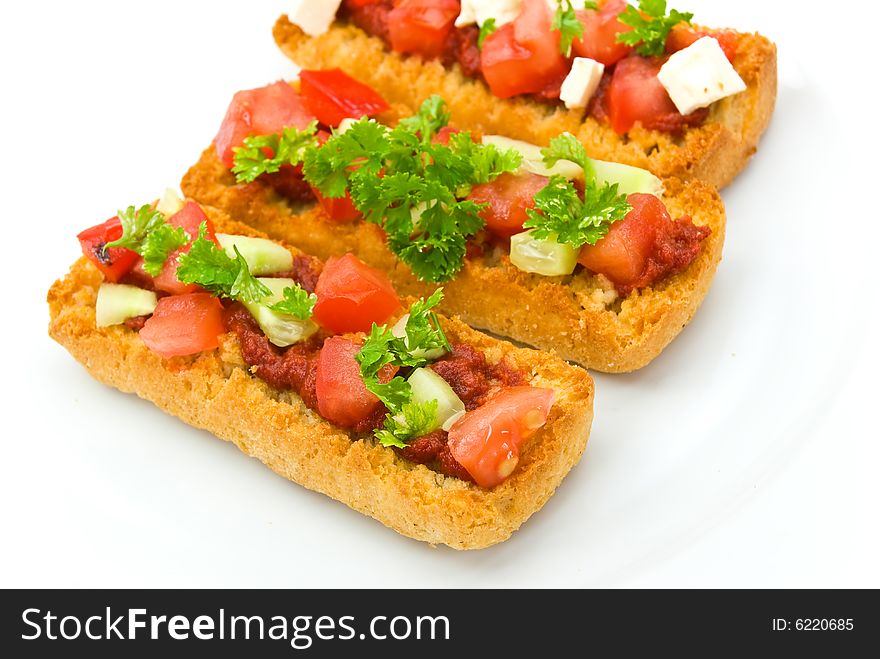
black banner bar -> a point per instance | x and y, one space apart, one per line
430 623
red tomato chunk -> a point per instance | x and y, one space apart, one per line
645 246
332 95
487 440
352 296
184 325
523 57
115 262
508 197
343 398
421 27
264 111
599 39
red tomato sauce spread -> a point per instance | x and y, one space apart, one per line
433 449
290 184
292 369
305 272
471 377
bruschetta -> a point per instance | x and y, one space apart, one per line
322 372
636 85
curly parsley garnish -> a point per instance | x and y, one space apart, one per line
412 187
560 214
566 22
651 26
288 148
405 420
487 28
211 268
567 147
147 232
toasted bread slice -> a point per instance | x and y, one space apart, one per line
580 316
215 391
714 152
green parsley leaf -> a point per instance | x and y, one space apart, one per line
158 244
566 22
411 187
651 26
288 148
364 144
567 147
297 302
381 348
146 232
209 266
413 421
565 218
488 27
431 117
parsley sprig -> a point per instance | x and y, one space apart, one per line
147 232
406 419
486 29
266 154
565 21
651 26
567 147
211 268
412 187
561 215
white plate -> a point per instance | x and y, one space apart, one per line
743 456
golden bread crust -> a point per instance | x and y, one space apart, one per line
715 152
215 391
578 317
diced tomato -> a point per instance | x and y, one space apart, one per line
263 111
420 27
338 209
599 40
684 35
360 3
115 262
487 441
635 94
352 296
190 218
523 57
645 246
332 95
343 399
184 325
508 197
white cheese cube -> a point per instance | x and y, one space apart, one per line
581 82
480 11
314 17
699 75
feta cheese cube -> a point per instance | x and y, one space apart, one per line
480 11
699 75
581 82
314 17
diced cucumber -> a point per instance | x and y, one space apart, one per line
542 257
427 386
399 330
264 257
280 328
170 203
533 161
119 302
629 179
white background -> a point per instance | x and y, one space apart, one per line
746 455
